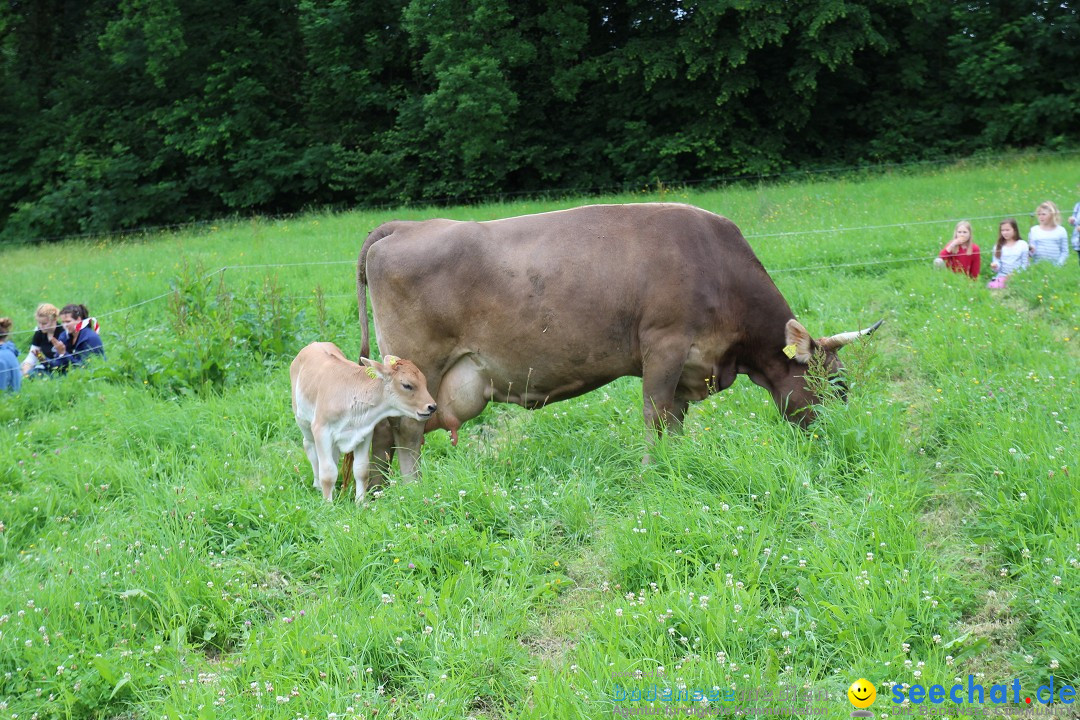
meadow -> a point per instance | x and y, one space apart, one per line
163 554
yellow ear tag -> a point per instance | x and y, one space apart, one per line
790 351
391 360
371 373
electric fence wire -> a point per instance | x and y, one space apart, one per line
717 181
794 233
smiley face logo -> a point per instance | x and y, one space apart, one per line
862 693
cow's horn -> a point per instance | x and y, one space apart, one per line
839 340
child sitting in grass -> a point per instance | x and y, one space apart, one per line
1010 253
1047 241
961 254
10 372
41 349
1074 220
78 341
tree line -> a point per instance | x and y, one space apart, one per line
122 113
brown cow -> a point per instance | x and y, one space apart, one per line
539 308
337 405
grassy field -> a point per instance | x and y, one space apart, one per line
163 554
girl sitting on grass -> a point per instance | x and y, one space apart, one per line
1010 253
1074 220
1047 241
41 349
960 253
10 372
78 341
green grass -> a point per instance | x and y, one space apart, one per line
163 554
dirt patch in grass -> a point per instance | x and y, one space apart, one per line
548 647
484 706
944 521
557 631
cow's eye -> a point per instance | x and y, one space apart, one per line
406 386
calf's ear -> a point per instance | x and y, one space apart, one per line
375 369
799 340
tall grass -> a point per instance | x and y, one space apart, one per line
162 552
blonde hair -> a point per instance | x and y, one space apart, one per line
5 328
1055 214
47 310
971 234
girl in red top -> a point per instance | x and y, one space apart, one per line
961 254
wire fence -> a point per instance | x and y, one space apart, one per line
773 271
889 226
656 186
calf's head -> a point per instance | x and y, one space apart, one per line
406 387
810 362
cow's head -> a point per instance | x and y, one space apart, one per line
809 364
406 387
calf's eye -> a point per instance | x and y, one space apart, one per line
406 386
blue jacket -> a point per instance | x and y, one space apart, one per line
10 372
87 343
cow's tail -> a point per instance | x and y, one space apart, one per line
365 334
361 284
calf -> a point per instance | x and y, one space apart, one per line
337 404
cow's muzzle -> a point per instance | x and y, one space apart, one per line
427 412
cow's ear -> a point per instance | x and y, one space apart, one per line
375 369
800 346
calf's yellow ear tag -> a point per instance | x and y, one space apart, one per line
371 373
391 360
790 351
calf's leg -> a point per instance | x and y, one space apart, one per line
408 437
382 451
309 450
360 467
327 456
382 454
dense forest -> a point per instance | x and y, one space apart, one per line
123 113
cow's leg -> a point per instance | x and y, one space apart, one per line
659 378
360 467
678 414
660 407
328 460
